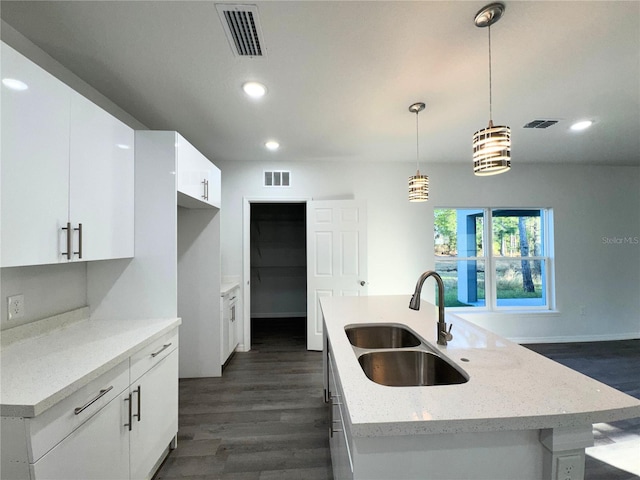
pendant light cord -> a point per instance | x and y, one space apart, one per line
490 89
417 144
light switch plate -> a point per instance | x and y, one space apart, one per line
15 305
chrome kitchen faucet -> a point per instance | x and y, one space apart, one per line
444 335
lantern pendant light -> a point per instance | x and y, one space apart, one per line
418 184
491 145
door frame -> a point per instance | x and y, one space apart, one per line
245 284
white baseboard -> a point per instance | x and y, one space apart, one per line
279 315
577 338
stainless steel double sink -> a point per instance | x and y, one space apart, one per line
394 356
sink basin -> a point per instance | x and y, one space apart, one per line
409 368
381 336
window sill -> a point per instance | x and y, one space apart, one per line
510 312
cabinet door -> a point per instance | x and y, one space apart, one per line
225 322
214 193
155 422
198 178
98 450
192 172
233 316
101 182
35 163
338 444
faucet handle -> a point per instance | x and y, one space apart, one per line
447 333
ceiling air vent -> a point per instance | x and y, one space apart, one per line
277 178
242 27
540 124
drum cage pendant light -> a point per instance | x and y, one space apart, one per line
491 145
418 184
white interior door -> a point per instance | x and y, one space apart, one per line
336 257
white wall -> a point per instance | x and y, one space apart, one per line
589 203
144 286
48 290
198 290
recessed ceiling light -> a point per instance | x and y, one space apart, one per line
272 145
582 125
254 89
14 84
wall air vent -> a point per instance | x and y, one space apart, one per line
279 178
540 124
242 27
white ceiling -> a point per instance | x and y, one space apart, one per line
342 74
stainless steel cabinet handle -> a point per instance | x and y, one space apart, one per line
69 240
164 347
101 394
204 189
333 401
79 230
207 190
139 391
333 430
130 424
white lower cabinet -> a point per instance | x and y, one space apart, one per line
228 313
338 433
99 449
155 401
117 427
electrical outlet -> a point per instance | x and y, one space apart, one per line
15 305
570 467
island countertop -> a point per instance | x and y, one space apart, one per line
509 387
39 371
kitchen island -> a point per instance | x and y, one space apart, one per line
518 416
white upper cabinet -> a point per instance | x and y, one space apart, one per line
101 182
67 172
198 178
35 163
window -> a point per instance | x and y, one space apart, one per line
496 258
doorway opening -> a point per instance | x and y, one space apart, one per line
278 275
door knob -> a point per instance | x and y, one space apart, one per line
363 283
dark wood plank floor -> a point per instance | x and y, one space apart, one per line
265 419
616 364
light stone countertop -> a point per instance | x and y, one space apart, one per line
38 372
227 287
509 387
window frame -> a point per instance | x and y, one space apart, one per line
491 260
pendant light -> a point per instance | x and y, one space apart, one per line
418 184
491 145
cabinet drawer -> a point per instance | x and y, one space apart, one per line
63 418
97 450
150 355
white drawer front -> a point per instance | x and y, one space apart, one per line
63 418
98 450
150 355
